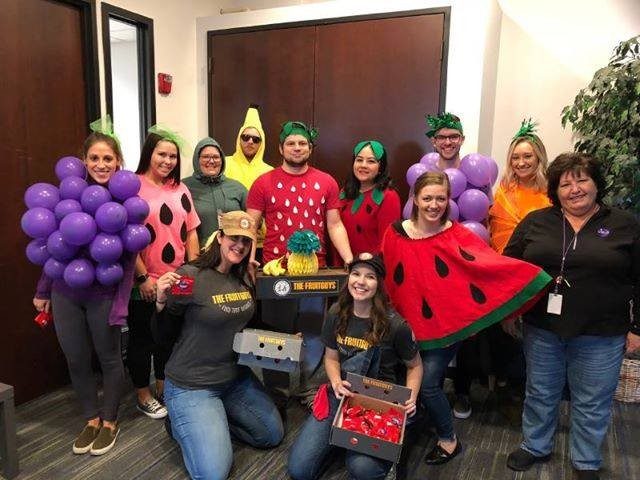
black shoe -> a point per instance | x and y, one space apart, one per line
521 460
438 455
587 474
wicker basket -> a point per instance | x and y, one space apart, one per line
629 385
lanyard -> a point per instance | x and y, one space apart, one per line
565 250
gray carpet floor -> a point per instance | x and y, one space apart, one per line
48 425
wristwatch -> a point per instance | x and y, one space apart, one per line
142 277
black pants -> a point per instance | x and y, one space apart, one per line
142 347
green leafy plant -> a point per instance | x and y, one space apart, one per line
605 118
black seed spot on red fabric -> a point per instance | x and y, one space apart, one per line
186 204
344 207
477 294
183 232
166 215
426 310
369 209
398 274
441 267
358 229
168 254
152 232
466 255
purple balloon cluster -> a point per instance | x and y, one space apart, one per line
470 188
80 232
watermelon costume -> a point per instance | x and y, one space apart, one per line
452 285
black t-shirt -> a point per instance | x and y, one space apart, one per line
397 348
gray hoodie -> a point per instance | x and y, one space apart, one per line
213 195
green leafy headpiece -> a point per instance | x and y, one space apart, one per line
104 125
169 135
527 129
376 147
297 128
444 120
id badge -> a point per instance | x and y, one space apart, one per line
554 305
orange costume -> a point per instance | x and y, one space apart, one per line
509 207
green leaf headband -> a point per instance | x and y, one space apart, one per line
297 128
444 120
527 129
169 135
104 125
376 147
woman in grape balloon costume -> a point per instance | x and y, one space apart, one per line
86 234
172 222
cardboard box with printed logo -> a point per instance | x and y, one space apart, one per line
377 395
270 350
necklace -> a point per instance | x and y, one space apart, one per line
416 234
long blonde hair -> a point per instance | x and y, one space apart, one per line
510 180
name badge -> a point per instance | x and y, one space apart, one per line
554 305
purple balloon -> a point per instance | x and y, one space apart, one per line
54 269
78 228
109 274
59 249
124 184
431 161
106 248
94 196
476 168
493 169
72 187
42 195
39 222
135 237
37 252
70 167
474 205
65 207
454 211
111 217
458 181
478 229
408 207
137 209
79 273
414 171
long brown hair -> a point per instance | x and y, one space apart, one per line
379 316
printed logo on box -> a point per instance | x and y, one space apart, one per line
282 288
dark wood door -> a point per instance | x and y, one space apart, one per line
43 105
271 68
354 80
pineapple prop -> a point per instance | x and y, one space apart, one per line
302 246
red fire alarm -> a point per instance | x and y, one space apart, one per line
164 83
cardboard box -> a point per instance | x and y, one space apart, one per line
378 395
270 350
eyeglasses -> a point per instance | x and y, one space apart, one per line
245 138
211 158
455 138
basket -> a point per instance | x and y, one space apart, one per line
629 385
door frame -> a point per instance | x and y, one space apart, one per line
146 63
446 11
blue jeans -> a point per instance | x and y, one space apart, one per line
201 421
434 364
592 366
311 451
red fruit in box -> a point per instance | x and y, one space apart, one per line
355 411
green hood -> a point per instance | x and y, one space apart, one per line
197 173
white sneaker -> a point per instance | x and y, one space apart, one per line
153 408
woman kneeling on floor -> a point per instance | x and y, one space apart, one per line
209 396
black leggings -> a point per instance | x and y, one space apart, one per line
142 346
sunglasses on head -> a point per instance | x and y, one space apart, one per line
245 138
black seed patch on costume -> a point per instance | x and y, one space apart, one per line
358 229
166 215
426 310
477 294
441 267
186 204
344 207
369 209
466 255
398 274
183 232
168 254
152 232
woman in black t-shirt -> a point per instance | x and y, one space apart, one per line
363 335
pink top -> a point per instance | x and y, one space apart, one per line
171 216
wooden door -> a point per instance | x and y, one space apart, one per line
44 117
271 68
